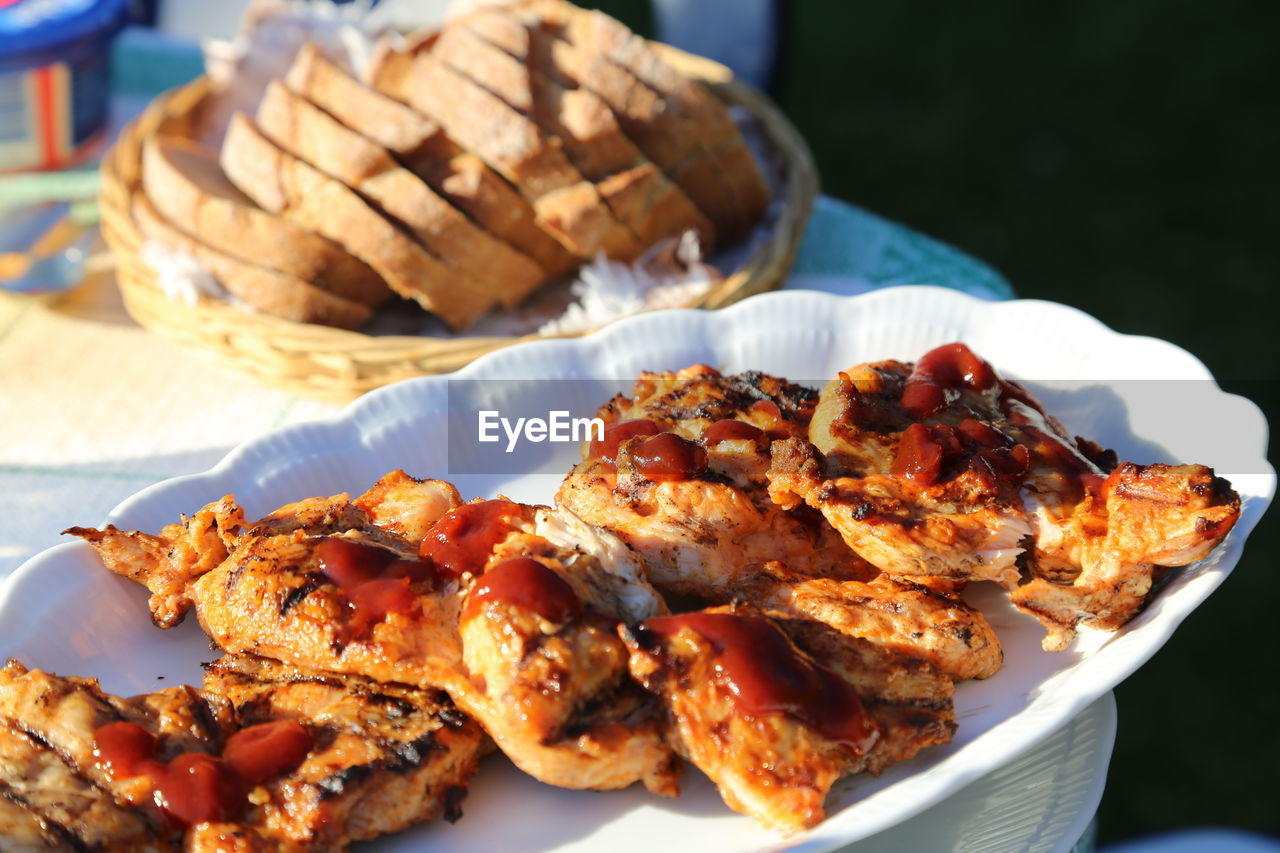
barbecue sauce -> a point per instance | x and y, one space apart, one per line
777 426
927 451
373 581
462 540
194 787
528 584
668 457
939 376
731 430
768 674
614 434
1051 450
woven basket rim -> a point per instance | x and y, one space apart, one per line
323 361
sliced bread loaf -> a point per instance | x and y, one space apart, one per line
597 31
283 184
582 123
666 137
267 290
187 186
427 151
308 132
566 205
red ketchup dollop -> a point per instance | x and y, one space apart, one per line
919 456
528 584
925 451
768 674
731 430
938 376
615 434
777 426
194 787
667 457
462 540
374 581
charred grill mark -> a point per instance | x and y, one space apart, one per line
74 767
310 584
406 756
52 829
452 717
394 705
336 784
714 397
242 565
1222 488
399 757
453 797
209 728
255 708
762 386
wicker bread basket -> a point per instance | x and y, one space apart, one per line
320 361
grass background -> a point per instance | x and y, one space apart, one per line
1122 158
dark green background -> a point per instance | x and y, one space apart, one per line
1121 157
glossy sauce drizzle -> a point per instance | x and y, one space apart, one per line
528 584
768 674
667 457
195 787
615 434
373 581
1051 450
462 540
776 426
938 376
927 451
731 430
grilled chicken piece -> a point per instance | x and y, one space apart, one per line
21 829
897 615
47 752
943 469
562 710
775 710
40 791
538 632
383 758
698 511
407 506
967 525
166 562
1141 517
377 758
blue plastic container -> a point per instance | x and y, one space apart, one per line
55 80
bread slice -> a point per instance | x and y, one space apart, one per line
390 65
425 149
186 185
566 205
270 291
584 125
667 137
283 184
596 31
308 132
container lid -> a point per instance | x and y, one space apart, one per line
31 26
